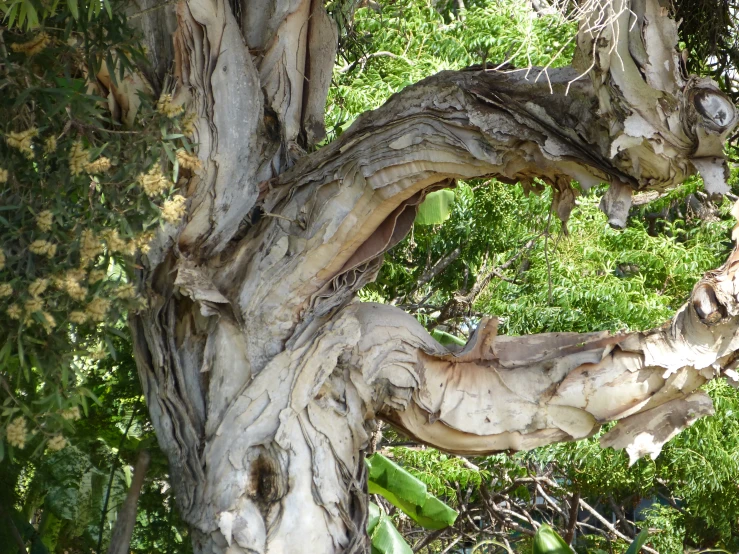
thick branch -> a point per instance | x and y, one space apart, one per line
342 207
515 393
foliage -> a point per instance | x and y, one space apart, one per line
81 194
406 492
81 191
395 44
64 492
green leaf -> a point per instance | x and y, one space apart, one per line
22 14
436 208
32 16
12 14
386 539
372 520
407 493
638 542
445 338
73 8
547 541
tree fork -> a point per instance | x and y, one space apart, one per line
261 373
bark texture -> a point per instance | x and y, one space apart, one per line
261 372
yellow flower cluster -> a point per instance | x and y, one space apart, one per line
14 311
174 209
117 244
188 161
50 145
97 309
143 240
71 284
90 247
34 305
71 413
23 141
78 158
101 165
78 317
33 46
43 248
48 321
154 182
44 221
16 433
167 107
3 175
56 443
125 291
38 287
79 161
6 289
96 275
188 124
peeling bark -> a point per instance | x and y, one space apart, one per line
262 374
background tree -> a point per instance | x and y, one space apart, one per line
291 282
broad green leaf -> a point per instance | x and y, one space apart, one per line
436 208
638 542
388 475
547 541
386 539
408 493
446 338
372 520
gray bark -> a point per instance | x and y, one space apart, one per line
120 538
263 374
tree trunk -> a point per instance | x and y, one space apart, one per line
263 374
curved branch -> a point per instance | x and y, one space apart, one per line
347 204
516 393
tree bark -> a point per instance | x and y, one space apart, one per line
263 375
120 538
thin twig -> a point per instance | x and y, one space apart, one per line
110 481
572 518
428 539
610 527
546 254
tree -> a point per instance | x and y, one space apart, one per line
262 376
